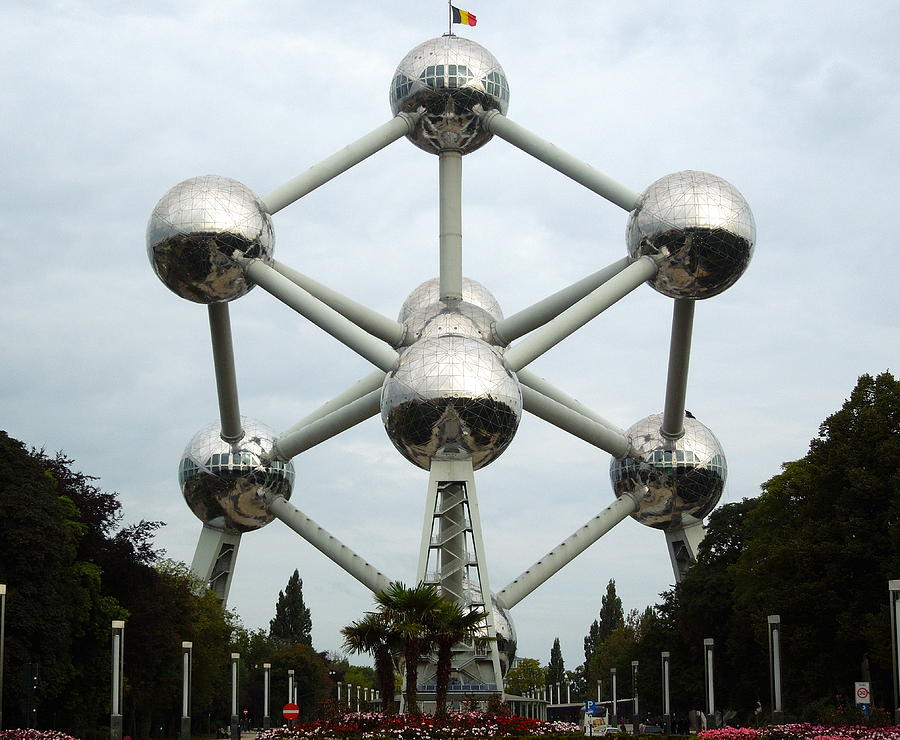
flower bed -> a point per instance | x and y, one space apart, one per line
457 725
805 731
34 735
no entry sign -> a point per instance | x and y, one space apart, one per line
290 711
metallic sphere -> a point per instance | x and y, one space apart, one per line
506 634
429 293
674 482
224 483
450 394
194 230
450 317
706 226
447 77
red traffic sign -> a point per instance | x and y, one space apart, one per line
290 711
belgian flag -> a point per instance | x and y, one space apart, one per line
463 16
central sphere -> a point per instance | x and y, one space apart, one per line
196 228
450 394
224 483
674 481
447 77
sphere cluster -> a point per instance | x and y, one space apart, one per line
224 483
447 77
703 223
674 482
196 228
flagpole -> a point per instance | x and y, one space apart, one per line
449 17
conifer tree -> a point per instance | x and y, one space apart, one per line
292 624
556 670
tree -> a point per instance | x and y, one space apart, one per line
374 634
526 675
610 618
450 624
292 624
556 669
410 611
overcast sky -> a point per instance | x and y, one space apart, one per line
104 107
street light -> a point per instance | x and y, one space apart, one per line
2 641
708 644
667 710
615 705
894 588
235 719
267 684
634 691
186 660
118 654
774 621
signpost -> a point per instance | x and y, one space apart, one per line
863 696
290 711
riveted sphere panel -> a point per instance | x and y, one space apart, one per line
674 481
706 226
223 482
196 228
447 77
450 394
429 293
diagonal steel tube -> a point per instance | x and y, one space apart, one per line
512 327
326 543
567 551
679 361
226 379
612 441
373 381
536 382
560 160
322 315
340 161
572 319
378 325
328 426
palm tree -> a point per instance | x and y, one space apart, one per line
374 634
452 624
410 612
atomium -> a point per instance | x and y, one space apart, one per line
450 394
196 228
447 77
672 480
705 227
224 483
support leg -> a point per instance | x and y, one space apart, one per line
683 544
215 558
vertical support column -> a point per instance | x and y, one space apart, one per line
667 709
267 687
450 184
226 378
349 694
679 360
708 645
118 655
235 676
614 709
186 665
774 621
2 644
894 588
634 698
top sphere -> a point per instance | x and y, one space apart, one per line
429 293
674 481
706 226
448 76
194 230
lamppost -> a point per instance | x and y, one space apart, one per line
2 641
614 710
118 654
290 686
634 691
894 588
186 660
235 719
708 644
267 685
774 621
667 710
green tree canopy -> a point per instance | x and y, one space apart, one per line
292 623
556 669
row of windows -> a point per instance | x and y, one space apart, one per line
686 458
233 462
450 76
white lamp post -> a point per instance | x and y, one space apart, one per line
708 645
235 675
774 621
667 710
267 685
186 664
118 654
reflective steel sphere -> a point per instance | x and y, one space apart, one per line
448 76
194 230
506 634
223 483
450 394
450 317
706 226
429 293
671 480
